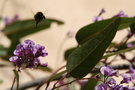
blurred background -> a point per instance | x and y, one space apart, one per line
74 13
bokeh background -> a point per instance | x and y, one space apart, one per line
74 13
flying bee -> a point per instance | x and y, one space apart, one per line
39 16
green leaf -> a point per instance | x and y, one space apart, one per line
113 44
25 27
68 52
132 27
125 22
3 50
89 31
46 69
84 58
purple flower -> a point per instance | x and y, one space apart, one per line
111 82
108 71
102 86
131 72
121 87
126 78
129 45
97 76
130 34
128 88
131 69
27 54
121 14
97 18
117 87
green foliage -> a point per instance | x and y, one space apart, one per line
84 58
89 31
125 22
22 28
132 27
3 50
46 69
16 30
68 52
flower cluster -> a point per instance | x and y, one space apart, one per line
109 82
27 55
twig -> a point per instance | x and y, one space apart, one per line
46 81
74 81
65 84
39 81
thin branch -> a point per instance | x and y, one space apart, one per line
36 82
47 81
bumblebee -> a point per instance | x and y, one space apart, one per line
39 16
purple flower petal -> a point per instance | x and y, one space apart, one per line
129 45
117 87
97 18
102 86
131 70
44 65
13 58
121 14
111 81
126 78
108 71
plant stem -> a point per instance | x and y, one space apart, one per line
13 83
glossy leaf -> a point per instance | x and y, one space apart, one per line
132 27
89 31
125 22
22 28
84 58
68 52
